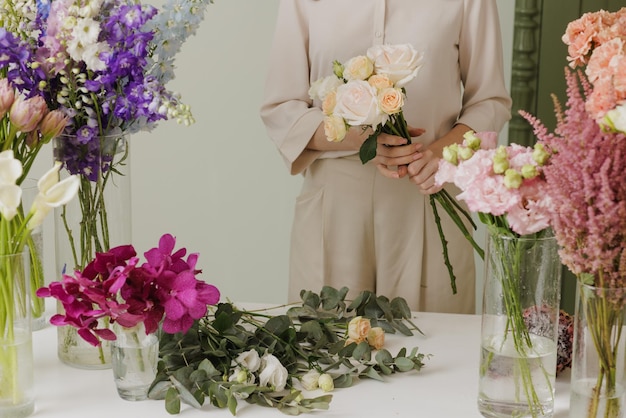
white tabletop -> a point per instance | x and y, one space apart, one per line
445 387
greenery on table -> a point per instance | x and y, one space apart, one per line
195 366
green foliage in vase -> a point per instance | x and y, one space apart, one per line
202 364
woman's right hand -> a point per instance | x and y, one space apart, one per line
393 151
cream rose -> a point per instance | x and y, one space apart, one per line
391 100
615 119
273 374
334 128
357 103
380 81
328 105
400 63
376 337
358 68
358 327
320 88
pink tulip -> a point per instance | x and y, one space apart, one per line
25 115
7 96
52 124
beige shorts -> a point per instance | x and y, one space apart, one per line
353 227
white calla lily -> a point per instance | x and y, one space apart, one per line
10 199
52 194
10 168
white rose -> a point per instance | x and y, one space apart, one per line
309 380
241 376
357 103
273 374
249 360
320 88
398 62
616 118
334 128
358 68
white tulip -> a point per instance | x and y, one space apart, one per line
10 193
52 194
10 168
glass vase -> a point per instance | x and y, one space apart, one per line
519 330
97 220
134 358
17 396
34 242
598 363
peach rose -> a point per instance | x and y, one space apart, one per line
376 337
391 100
328 105
380 81
334 128
321 88
358 68
358 328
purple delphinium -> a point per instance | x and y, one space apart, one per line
587 180
113 285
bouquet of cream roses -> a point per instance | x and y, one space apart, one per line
368 91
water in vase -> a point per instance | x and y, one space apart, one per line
580 401
17 397
513 385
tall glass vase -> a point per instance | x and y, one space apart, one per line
95 221
17 395
599 359
519 331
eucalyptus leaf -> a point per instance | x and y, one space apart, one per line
185 395
373 374
383 357
343 381
404 364
172 401
363 351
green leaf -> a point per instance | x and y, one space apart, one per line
232 403
404 364
158 390
399 325
373 374
383 357
385 307
368 148
331 298
172 401
312 329
185 394
343 381
363 351
400 308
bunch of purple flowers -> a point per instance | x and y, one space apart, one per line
163 290
104 63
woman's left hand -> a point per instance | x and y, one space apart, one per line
422 172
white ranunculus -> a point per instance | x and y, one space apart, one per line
616 118
273 374
52 194
326 382
320 88
249 360
357 104
400 63
310 379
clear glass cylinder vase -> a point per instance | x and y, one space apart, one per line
519 330
96 220
134 358
17 395
599 357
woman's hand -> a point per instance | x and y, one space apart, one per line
393 151
422 172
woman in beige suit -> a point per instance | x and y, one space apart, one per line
367 226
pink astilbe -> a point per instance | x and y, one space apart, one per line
587 181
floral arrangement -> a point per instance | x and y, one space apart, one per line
587 181
162 292
595 41
505 185
104 64
15 228
368 92
26 125
272 360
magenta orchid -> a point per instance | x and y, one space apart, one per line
164 290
